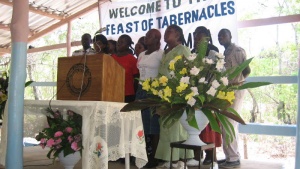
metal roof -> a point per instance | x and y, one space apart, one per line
44 17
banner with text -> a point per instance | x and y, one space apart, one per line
135 18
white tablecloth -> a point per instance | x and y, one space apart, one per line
118 132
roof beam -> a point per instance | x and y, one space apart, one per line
52 47
269 21
37 11
62 22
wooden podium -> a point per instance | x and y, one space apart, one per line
98 78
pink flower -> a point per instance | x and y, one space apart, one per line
74 146
43 141
58 141
70 112
69 129
42 145
70 138
77 137
56 114
50 142
58 134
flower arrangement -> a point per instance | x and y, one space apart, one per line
4 79
195 82
62 134
3 91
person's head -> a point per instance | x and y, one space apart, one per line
224 37
199 34
124 44
140 46
174 34
86 40
100 43
153 36
112 46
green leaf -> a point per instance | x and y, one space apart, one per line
142 104
219 104
235 117
169 120
191 119
239 69
252 85
226 126
212 120
167 109
28 83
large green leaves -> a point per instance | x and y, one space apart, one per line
252 85
237 70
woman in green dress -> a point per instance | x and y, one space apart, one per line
174 38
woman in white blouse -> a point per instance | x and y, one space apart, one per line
148 63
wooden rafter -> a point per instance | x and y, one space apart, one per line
269 21
62 22
37 11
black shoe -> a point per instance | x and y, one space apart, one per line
207 161
231 164
151 164
221 161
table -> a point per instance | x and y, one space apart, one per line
120 133
180 144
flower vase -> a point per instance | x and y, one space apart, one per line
70 160
194 133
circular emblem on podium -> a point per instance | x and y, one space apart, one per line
79 79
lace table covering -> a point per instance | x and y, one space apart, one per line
118 133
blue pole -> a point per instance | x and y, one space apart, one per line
14 156
297 162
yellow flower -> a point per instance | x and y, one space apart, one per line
160 94
167 92
189 96
172 65
154 92
146 85
181 87
183 71
229 96
178 57
163 80
155 83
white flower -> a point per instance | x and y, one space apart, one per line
202 80
191 101
220 55
215 84
185 79
224 80
209 61
212 91
220 64
192 57
172 74
195 90
194 71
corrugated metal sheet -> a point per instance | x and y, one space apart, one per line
42 15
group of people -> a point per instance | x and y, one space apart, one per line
150 61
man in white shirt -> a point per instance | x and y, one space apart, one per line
86 40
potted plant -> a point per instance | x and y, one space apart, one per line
196 82
63 134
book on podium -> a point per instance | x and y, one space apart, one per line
90 78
